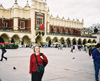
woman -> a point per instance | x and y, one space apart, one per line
37 76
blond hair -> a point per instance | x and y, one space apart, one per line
35 47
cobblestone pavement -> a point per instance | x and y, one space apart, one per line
63 65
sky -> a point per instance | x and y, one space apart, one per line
89 10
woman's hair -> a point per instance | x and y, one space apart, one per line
35 47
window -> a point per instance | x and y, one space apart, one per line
22 25
54 29
5 24
60 30
66 31
39 21
71 31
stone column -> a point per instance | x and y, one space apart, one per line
9 40
21 41
15 23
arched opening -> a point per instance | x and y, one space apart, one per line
68 42
62 41
55 39
15 39
74 41
79 42
48 40
5 38
12 41
1 40
84 41
39 40
94 41
89 41
26 41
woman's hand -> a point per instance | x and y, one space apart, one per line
41 57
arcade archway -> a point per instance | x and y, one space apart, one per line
94 41
15 39
89 41
62 41
79 41
48 40
74 41
68 42
84 41
5 38
39 40
26 41
55 39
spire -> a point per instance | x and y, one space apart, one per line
68 18
1 7
73 19
15 1
27 3
57 16
63 17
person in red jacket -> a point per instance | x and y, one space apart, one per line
36 76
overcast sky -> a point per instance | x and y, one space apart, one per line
89 10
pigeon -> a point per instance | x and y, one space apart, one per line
73 57
14 68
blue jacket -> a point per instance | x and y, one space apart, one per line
96 55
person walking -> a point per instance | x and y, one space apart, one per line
3 52
90 50
37 59
96 60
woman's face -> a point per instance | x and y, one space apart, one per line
37 49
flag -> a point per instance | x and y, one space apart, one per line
41 26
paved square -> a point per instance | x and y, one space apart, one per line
61 67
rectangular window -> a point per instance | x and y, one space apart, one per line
22 25
54 29
71 31
66 31
39 21
60 30
5 25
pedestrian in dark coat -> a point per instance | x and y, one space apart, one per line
3 52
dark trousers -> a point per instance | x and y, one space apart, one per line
2 56
37 76
96 68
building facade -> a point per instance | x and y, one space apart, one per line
34 24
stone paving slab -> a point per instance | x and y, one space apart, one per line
61 67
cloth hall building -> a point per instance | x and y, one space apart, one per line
34 24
